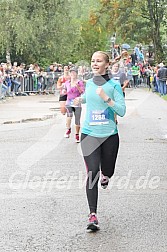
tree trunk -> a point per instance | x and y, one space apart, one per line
155 17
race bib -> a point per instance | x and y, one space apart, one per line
72 102
99 117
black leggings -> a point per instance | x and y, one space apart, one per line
98 153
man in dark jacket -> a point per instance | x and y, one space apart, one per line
162 75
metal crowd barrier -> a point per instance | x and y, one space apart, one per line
30 82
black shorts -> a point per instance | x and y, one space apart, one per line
63 98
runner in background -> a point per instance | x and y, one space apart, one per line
60 85
73 89
121 77
135 74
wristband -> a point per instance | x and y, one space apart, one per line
108 100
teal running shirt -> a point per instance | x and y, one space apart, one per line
99 119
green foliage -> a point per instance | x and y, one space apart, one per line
136 23
35 29
46 31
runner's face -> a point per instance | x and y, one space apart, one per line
99 64
73 74
115 68
65 68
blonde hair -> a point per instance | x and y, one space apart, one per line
107 58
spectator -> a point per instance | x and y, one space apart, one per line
135 74
162 75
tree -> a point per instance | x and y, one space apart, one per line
35 29
154 12
44 31
135 22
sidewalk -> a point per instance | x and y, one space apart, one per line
28 108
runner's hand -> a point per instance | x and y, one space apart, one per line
101 93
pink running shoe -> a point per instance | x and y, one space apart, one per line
77 138
104 181
67 134
93 222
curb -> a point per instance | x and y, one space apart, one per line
35 119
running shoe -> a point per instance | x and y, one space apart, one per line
67 134
77 138
104 181
93 222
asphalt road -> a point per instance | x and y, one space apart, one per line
42 185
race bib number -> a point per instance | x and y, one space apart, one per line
99 117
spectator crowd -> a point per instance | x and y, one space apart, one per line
32 79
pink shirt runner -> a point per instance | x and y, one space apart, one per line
73 92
